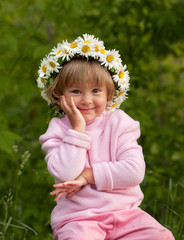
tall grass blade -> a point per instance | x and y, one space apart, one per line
27 227
8 224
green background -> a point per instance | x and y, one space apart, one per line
150 38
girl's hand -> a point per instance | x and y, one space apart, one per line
69 188
76 119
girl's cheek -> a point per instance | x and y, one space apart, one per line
76 100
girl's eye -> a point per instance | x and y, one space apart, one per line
95 90
76 91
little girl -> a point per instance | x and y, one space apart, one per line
92 151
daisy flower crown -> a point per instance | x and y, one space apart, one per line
90 47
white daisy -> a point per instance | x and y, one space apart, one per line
72 49
65 53
69 49
52 65
43 70
86 49
62 51
98 45
102 53
41 82
122 78
87 39
111 59
118 63
45 97
124 81
121 95
112 106
56 51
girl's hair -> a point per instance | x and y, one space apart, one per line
80 71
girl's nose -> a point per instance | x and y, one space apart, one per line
86 99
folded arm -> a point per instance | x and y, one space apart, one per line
69 188
128 169
66 151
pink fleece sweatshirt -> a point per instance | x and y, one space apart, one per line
110 148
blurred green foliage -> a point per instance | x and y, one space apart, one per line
149 35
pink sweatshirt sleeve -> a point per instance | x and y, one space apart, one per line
128 167
66 151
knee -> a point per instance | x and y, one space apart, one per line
164 234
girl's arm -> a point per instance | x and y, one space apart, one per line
66 151
127 167
88 175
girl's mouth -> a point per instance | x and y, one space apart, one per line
85 109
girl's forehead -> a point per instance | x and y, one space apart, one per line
87 81
88 85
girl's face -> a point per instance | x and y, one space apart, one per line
91 100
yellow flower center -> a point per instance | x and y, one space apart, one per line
123 82
121 74
109 58
102 51
73 45
58 52
66 52
44 68
87 41
96 48
42 80
52 64
114 105
85 49
120 94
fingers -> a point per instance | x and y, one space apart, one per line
69 188
72 104
70 195
59 193
80 181
56 191
67 106
64 105
58 196
75 117
60 185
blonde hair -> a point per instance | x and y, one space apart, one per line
80 71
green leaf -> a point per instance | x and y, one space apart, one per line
51 80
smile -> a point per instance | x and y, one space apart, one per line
85 109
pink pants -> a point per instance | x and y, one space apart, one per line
133 224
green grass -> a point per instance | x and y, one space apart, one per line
19 221
173 220
14 229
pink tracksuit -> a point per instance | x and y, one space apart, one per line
109 209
